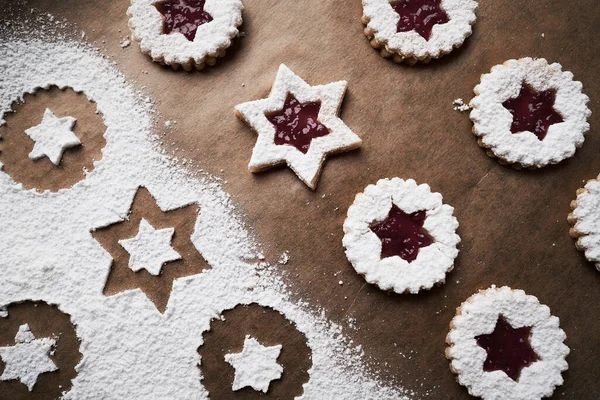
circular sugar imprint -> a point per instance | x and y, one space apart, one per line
25 327
30 149
229 334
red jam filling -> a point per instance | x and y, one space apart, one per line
297 123
419 15
183 16
508 349
402 234
533 111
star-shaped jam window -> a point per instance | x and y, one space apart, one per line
402 234
533 111
297 124
183 16
419 16
157 287
508 349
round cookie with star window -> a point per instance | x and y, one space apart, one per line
188 34
528 113
504 344
585 221
400 236
411 31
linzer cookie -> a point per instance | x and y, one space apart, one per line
400 236
414 31
585 219
504 344
298 124
529 113
185 33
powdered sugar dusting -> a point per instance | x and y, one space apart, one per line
46 239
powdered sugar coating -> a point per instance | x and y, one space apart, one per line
363 247
267 154
585 219
211 38
492 122
477 316
47 251
382 20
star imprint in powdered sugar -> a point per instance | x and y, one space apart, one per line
52 137
150 248
256 366
28 358
298 125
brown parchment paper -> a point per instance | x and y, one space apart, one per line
512 223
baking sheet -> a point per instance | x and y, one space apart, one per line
512 223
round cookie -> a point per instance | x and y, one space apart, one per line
504 344
400 236
185 33
585 219
529 113
414 31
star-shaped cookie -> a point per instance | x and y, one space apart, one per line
298 124
52 137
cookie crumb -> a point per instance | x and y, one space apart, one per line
285 257
459 105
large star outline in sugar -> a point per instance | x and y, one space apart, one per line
267 116
256 366
28 358
150 248
52 137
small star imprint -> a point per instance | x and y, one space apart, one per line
150 248
183 16
256 366
298 124
28 358
52 137
419 16
508 349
